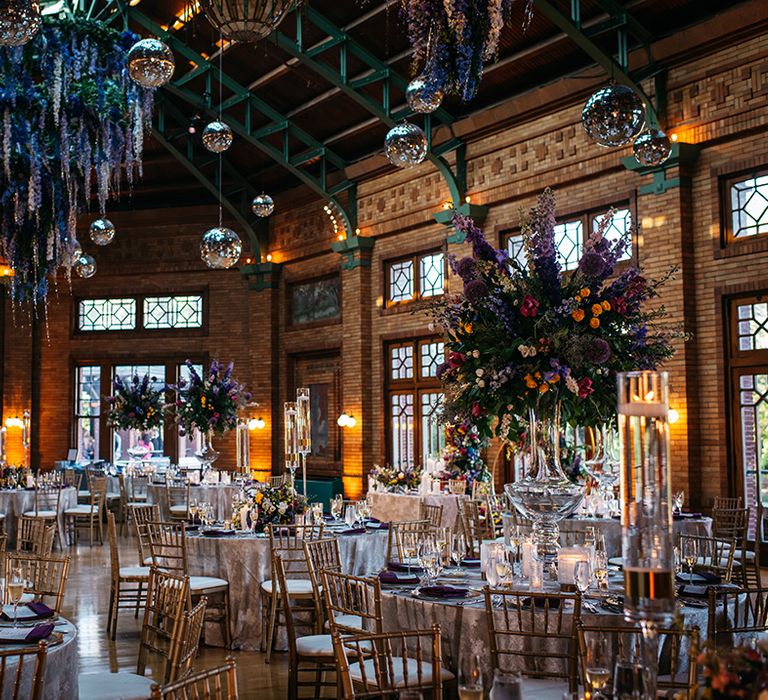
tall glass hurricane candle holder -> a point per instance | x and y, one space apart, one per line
304 428
243 446
291 439
646 520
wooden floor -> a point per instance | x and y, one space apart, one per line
87 602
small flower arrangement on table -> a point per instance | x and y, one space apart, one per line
12 477
395 479
137 404
462 455
741 672
265 504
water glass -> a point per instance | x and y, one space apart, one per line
492 572
600 570
582 575
350 514
597 666
627 680
506 686
470 678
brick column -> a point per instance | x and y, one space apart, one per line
356 352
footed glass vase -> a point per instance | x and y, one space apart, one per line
137 450
207 455
545 495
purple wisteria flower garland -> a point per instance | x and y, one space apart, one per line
531 337
70 116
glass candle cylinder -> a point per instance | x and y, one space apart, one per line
291 435
304 425
646 518
243 446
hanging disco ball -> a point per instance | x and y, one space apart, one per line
262 205
405 145
613 116
150 63
246 20
102 232
420 98
652 147
217 137
220 248
75 251
19 21
85 266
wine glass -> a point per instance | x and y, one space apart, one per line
627 679
350 514
601 570
458 549
677 502
690 555
504 568
16 590
193 508
492 572
597 667
470 678
678 561
336 507
582 575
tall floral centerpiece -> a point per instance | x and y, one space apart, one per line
263 505
462 455
529 346
137 405
209 404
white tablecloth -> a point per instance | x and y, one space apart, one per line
220 496
244 561
13 504
396 507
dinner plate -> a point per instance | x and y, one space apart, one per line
472 593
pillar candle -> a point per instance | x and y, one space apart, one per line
567 558
527 558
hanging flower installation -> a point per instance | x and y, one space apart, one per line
70 116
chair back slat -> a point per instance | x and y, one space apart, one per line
141 516
35 536
218 683
715 554
735 616
404 537
347 596
46 577
431 512
15 687
287 541
168 546
185 645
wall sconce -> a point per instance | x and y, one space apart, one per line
346 420
14 422
256 424
673 416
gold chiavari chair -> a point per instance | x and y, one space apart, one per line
3 546
37 656
168 548
35 536
311 654
127 582
46 577
277 481
679 668
475 528
731 523
458 487
534 634
47 505
383 665
715 555
322 555
353 603
431 512
736 615
480 489
143 514
88 515
403 538
726 502
72 477
287 542
177 493
218 683
184 648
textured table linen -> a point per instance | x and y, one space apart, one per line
220 496
396 507
15 503
244 561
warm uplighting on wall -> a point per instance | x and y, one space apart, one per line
346 420
256 423
673 416
269 257
14 422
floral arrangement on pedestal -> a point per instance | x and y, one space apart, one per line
524 337
741 672
400 479
71 120
462 455
137 404
266 504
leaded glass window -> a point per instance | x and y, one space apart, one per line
432 354
749 206
107 314
516 250
753 326
402 362
620 227
432 274
401 281
569 237
418 277
173 311
150 441
432 433
87 411
401 422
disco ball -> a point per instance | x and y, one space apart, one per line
102 232
420 98
652 147
75 251
220 248
217 137
85 266
613 116
150 63
246 20
262 205
19 21
405 145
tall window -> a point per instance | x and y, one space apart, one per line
187 445
746 199
414 401
149 442
416 277
130 313
88 412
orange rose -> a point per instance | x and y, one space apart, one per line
594 322
597 309
585 292
544 388
578 315
606 305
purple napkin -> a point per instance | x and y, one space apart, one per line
539 602
443 592
38 632
691 590
471 563
374 520
218 533
394 577
191 528
705 577
352 531
41 610
402 566
377 525
684 516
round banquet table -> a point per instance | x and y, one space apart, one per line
14 503
243 559
220 496
61 668
573 530
397 507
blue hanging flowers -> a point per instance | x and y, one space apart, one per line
71 122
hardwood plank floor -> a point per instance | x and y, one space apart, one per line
87 601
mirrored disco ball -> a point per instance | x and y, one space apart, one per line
613 116
19 21
217 137
85 266
262 205
420 99
246 20
652 147
150 63
220 248
405 145
75 251
102 232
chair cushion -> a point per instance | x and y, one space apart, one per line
398 672
83 493
114 686
136 504
48 514
354 621
85 509
2 516
544 688
296 587
315 645
749 555
201 584
178 509
111 495
134 572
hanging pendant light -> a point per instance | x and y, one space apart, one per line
262 205
246 20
